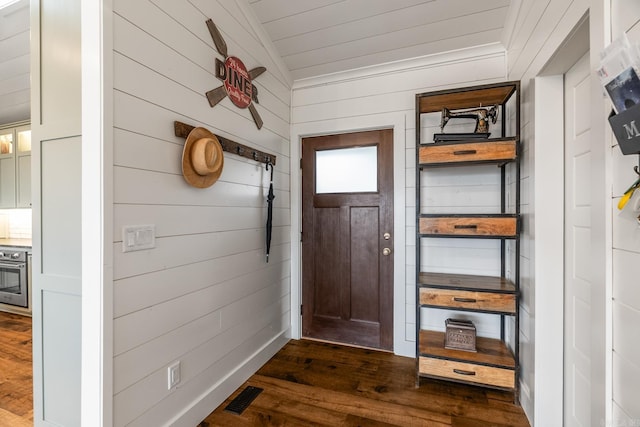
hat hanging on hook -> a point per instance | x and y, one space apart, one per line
202 158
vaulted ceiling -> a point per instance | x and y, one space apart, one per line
316 37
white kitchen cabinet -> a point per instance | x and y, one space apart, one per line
15 166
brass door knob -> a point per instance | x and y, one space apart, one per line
386 252
386 236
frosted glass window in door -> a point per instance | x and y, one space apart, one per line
347 170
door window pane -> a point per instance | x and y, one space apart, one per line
347 170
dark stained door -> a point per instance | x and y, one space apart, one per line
347 241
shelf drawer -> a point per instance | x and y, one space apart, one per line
497 151
460 371
470 226
470 300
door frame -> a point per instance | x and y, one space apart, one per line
395 121
547 229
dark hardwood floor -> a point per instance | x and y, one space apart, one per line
16 374
306 384
318 384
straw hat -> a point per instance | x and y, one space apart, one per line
202 158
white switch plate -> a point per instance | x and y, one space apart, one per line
173 375
138 237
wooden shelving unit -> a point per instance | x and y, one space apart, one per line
495 361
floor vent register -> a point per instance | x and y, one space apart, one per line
243 400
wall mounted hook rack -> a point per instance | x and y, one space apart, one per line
182 130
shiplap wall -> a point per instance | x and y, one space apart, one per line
204 295
540 28
625 15
378 92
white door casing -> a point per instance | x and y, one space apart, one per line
577 257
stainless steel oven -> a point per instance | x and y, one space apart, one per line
13 277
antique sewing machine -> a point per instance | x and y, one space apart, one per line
482 115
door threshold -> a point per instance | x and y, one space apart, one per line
344 344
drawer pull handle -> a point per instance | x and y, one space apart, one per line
471 300
465 226
463 372
464 152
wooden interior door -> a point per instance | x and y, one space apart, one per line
347 241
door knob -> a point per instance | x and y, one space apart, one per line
386 252
386 236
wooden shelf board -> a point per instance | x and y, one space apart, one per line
466 97
467 282
491 352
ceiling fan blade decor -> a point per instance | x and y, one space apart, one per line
218 40
256 116
216 95
256 72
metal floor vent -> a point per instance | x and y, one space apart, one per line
243 400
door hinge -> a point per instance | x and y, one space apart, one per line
301 309
300 163
301 236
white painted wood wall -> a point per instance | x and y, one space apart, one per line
540 29
367 98
625 16
204 295
56 148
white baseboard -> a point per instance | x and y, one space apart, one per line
220 391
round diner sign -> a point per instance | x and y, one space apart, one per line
238 82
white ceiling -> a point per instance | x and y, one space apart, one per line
316 37
14 63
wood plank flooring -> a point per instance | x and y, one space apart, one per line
310 383
16 373
306 384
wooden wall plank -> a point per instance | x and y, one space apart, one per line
627 270
417 79
625 385
179 250
204 295
200 369
142 291
626 319
157 122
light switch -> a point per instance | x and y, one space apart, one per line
138 237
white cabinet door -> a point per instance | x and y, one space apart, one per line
23 167
7 169
7 182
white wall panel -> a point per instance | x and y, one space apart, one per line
61 350
625 386
391 89
60 61
61 237
204 295
540 28
57 204
626 258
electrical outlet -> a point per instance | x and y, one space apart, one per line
173 375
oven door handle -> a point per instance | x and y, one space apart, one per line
14 265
